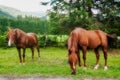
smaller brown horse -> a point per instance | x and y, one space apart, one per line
83 39
23 40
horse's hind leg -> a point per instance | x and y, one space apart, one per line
105 57
38 51
32 49
97 58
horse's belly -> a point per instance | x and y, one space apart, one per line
31 44
94 44
94 41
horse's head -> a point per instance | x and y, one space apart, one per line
72 58
12 34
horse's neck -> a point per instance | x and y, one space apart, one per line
74 49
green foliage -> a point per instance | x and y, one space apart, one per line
53 40
3 41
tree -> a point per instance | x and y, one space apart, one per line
71 13
109 14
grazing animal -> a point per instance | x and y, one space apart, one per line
83 39
23 40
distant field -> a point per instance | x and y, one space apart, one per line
53 62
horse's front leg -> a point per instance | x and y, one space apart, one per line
24 49
84 56
97 58
79 60
19 53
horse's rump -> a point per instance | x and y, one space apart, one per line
31 39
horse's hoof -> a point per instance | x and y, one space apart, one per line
73 73
105 68
80 65
23 63
96 67
20 63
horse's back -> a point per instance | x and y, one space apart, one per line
97 38
90 38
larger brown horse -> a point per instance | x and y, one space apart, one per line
23 40
83 39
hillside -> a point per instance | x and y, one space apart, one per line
11 12
5 14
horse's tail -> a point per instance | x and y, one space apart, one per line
111 40
112 36
36 38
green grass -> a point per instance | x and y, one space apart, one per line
53 62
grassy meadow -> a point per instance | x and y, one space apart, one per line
53 62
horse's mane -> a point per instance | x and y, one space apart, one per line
20 31
73 45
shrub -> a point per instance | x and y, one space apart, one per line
52 40
3 41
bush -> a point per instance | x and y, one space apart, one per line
118 42
52 40
3 41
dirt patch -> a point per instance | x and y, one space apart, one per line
34 78
99 79
51 78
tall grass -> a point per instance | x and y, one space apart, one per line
53 62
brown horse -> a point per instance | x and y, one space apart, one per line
23 40
83 39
